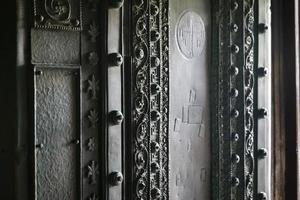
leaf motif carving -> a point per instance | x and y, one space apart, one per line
93 87
93 118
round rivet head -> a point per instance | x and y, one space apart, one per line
262 28
235 158
234 92
116 178
262 153
235 181
155 89
75 22
116 4
116 117
262 196
155 193
262 71
235 113
40 146
154 147
262 113
39 18
115 59
234 5
234 71
234 28
235 137
155 115
235 48
38 72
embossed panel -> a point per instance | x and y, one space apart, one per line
57 14
190 147
57 160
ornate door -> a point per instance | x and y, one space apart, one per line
149 99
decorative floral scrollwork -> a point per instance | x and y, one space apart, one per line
59 10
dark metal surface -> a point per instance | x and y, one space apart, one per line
186 120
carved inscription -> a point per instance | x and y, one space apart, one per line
190 34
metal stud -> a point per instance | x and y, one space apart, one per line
155 115
262 113
262 153
235 113
116 4
38 73
235 181
262 71
262 196
235 48
234 5
235 137
116 178
234 92
116 117
155 89
234 71
115 59
262 28
235 158
154 147
155 193
234 28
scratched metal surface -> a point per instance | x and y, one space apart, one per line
189 100
56 111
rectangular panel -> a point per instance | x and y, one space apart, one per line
57 154
57 14
50 47
190 146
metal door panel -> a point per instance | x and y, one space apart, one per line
189 100
57 154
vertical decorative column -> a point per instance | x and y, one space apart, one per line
150 47
234 99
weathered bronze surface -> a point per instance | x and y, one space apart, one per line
143 100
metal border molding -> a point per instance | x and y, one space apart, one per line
150 47
234 99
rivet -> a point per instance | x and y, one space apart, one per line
235 113
262 71
234 92
234 28
262 28
235 137
262 113
262 196
234 71
235 158
235 181
235 48
262 153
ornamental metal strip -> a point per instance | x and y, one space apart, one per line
233 100
150 47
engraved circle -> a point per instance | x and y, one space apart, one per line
59 10
190 34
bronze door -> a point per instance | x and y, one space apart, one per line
146 99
